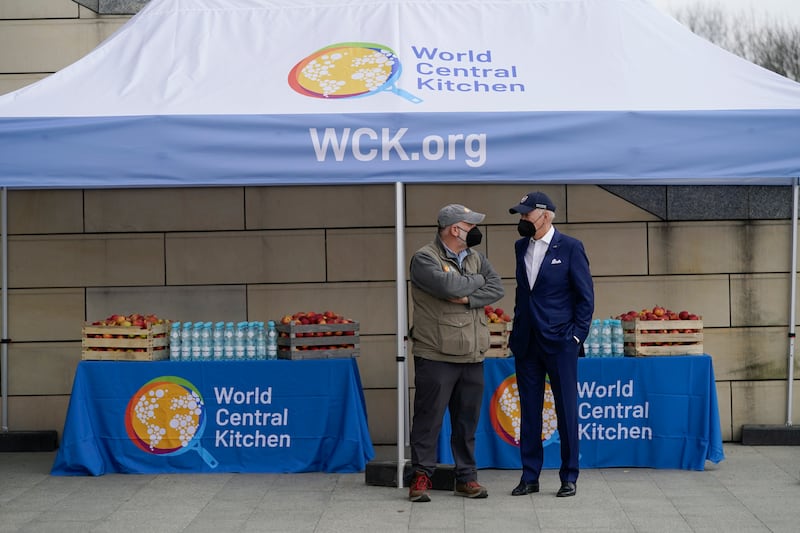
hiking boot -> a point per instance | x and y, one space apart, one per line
471 489
418 491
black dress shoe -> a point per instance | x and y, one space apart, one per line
525 488
567 489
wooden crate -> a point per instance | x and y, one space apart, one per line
317 341
498 339
125 343
663 337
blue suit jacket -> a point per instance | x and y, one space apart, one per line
561 304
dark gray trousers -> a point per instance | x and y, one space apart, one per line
440 385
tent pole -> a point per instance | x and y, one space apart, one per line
790 373
402 329
4 337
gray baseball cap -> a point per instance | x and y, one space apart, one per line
453 213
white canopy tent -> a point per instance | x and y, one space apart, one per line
205 92
291 92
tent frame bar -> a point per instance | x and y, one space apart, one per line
402 330
4 337
793 299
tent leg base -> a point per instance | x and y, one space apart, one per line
770 435
28 441
384 474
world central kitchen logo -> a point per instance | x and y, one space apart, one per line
349 70
167 416
356 69
504 412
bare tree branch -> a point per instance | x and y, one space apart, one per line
774 45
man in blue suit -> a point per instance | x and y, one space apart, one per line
552 314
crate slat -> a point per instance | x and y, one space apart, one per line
498 339
302 341
125 343
662 337
318 354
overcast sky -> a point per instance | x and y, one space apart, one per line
788 10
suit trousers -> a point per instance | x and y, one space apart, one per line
459 388
562 370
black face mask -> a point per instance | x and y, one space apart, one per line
474 236
526 228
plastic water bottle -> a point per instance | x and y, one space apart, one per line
218 341
605 338
250 341
239 341
261 342
186 341
175 342
272 341
228 338
594 335
587 344
197 344
205 342
617 338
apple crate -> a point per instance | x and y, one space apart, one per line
498 339
317 341
125 343
662 337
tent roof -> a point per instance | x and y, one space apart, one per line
223 92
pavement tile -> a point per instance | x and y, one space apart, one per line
755 489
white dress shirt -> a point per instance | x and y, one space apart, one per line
534 255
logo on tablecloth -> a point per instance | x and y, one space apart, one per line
167 416
504 411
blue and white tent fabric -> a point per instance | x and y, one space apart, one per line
262 92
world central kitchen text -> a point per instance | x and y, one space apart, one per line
467 71
246 419
618 405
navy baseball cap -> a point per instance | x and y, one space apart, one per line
531 201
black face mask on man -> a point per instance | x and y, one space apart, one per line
525 228
474 236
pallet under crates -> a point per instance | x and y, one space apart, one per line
646 338
318 341
125 343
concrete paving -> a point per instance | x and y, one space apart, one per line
755 489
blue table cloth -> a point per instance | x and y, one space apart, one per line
249 416
658 412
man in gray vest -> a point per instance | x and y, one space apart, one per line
450 285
